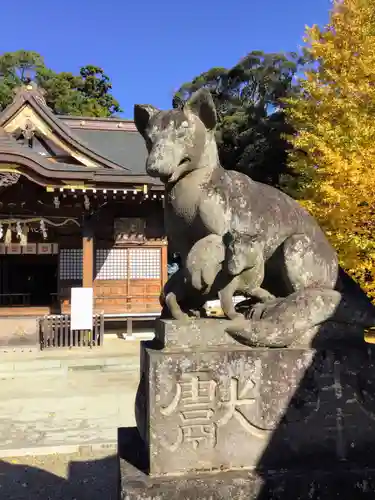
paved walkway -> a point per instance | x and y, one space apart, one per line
41 414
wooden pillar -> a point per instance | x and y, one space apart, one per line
88 254
164 264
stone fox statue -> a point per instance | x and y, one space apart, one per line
202 199
220 266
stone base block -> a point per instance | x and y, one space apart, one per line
317 485
229 407
337 481
19 333
345 480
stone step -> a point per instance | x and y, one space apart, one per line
61 449
48 366
11 365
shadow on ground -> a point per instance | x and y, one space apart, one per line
86 480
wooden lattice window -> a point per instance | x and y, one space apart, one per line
145 263
71 264
111 264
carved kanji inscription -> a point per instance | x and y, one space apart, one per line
203 408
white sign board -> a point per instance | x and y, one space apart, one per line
82 300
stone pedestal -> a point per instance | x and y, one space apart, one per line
221 420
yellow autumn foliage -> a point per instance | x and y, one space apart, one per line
334 146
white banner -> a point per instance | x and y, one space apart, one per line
82 301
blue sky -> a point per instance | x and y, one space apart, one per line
150 47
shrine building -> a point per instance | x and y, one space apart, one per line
77 209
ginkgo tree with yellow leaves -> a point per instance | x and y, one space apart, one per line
334 143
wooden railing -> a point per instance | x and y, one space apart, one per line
15 299
55 331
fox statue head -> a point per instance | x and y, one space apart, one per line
242 251
179 140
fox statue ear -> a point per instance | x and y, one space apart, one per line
142 116
202 105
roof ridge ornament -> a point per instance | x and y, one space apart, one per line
29 87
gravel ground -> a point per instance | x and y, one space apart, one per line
84 476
